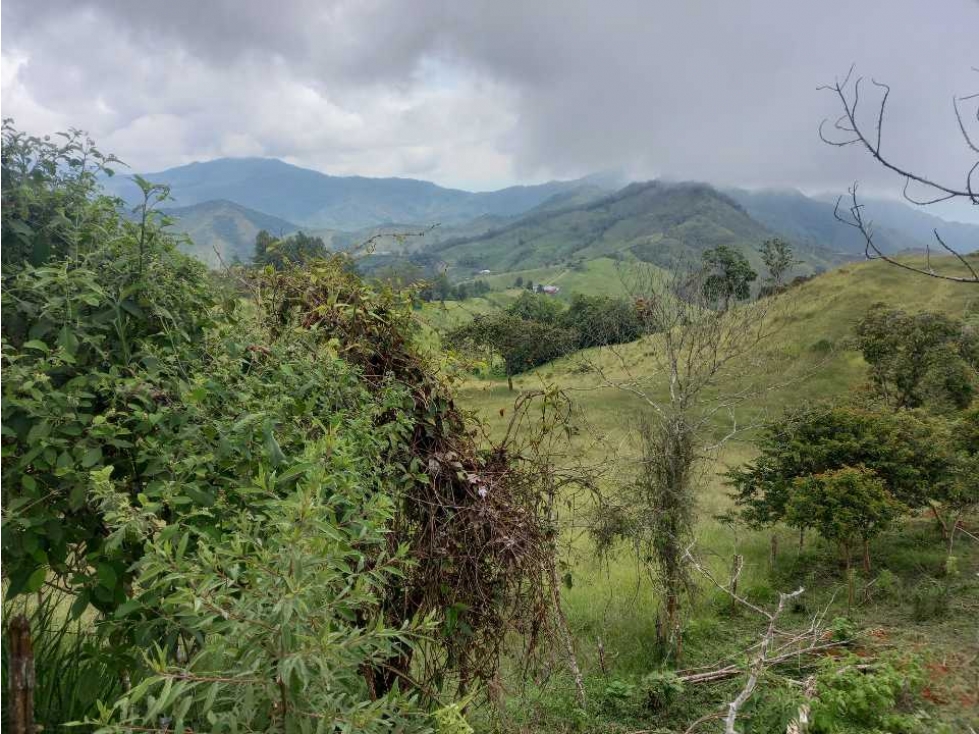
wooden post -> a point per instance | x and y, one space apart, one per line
21 676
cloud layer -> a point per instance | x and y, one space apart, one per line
481 94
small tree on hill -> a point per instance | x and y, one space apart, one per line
776 253
728 277
843 505
521 343
913 455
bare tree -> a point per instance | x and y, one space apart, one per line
919 189
691 378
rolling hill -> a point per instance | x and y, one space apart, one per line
226 227
315 200
653 221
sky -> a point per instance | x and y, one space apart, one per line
484 94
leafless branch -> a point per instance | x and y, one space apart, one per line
849 131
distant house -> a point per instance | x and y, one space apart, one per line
551 289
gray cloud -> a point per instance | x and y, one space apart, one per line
481 94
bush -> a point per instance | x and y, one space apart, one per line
912 455
843 505
600 320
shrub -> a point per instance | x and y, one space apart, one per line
843 505
600 320
660 688
910 454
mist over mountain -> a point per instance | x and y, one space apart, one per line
223 203
811 220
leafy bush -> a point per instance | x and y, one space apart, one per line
600 320
911 454
848 697
843 505
277 604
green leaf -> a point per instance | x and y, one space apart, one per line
107 575
127 608
79 606
92 457
36 580
67 339
37 344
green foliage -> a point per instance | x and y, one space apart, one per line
661 688
522 344
50 204
95 357
600 320
777 256
276 603
916 359
728 276
848 698
842 505
537 307
295 249
909 453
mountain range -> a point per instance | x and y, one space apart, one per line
221 204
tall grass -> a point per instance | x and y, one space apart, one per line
73 666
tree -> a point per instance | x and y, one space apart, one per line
601 320
694 347
777 256
849 130
914 357
843 505
518 282
536 307
298 248
728 277
910 454
523 344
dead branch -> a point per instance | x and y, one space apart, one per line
848 131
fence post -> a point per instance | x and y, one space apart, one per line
21 676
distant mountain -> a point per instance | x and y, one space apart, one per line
226 227
315 200
807 220
654 221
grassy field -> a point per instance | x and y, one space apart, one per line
914 609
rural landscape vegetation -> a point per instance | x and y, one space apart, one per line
291 452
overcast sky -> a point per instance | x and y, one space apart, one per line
481 95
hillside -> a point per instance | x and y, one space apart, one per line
652 221
226 227
810 221
316 200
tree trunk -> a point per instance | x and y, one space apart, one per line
866 556
509 381
773 552
21 676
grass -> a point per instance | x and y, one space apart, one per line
908 604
